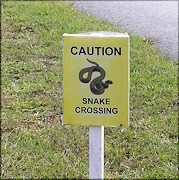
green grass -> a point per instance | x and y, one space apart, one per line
36 145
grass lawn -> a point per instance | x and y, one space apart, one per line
34 142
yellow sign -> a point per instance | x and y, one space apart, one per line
96 79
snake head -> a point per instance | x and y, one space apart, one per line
106 84
109 82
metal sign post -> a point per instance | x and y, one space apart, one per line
96 152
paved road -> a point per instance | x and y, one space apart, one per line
157 20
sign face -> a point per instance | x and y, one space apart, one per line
96 79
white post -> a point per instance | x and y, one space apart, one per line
96 152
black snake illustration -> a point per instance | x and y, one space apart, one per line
96 86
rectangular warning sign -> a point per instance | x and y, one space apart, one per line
96 79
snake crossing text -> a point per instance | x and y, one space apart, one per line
96 110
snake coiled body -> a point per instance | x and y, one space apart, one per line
96 86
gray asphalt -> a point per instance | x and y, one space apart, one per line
157 20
